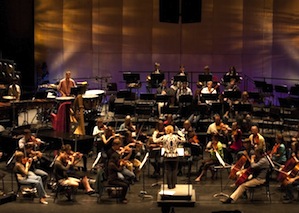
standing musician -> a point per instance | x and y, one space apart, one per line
260 165
256 139
170 144
25 176
65 85
212 147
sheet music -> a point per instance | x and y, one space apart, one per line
180 151
144 160
220 159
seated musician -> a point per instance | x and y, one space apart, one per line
231 74
212 147
218 127
183 90
155 149
28 138
76 156
182 71
65 85
278 152
256 139
25 176
191 140
294 146
235 140
125 173
62 165
30 146
163 89
133 148
99 129
14 89
209 89
259 164
128 124
114 167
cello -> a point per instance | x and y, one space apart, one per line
289 165
238 166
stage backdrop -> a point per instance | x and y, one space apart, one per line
96 39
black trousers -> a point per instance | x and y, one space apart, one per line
121 183
171 169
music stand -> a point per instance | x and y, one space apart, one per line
210 97
281 88
260 84
156 79
185 98
162 98
222 165
232 94
267 88
294 91
243 107
131 77
180 78
204 78
143 194
147 96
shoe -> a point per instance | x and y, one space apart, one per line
90 192
124 201
197 179
226 201
43 202
47 196
287 201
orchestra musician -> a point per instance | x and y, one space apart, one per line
209 89
133 147
212 147
155 149
28 138
183 90
278 152
62 166
260 165
170 144
231 74
65 85
256 139
128 124
115 166
25 176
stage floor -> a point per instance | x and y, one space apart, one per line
204 191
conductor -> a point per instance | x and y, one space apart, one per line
170 144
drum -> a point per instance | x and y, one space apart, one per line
90 102
95 92
62 99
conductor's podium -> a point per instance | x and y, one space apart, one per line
183 195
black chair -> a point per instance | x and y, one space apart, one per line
265 185
103 186
26 193
64 190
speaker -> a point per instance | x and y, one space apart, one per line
191 11
169 11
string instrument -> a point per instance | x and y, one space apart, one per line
244 177
80 130
238 166
290 169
